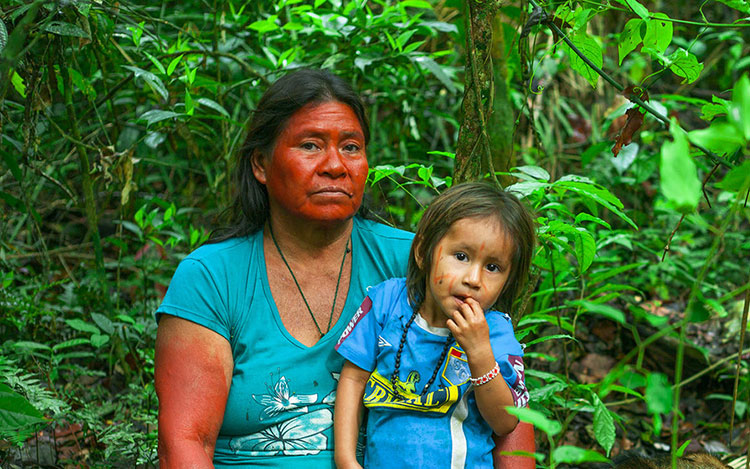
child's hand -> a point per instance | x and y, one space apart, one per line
469 326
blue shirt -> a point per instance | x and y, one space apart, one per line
279 410
443 428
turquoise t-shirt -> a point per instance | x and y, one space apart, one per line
279 411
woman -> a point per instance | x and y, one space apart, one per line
245 368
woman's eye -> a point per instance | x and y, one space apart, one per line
309 146
351 148
461 256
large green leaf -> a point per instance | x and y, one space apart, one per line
16 412
737 179
536 418
637 8
592 50
741 104
604 426
679 176
630 38
658 393
720 137
658 32
685 65
585 250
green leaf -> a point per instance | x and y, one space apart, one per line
658 32
685 65
62 28
678 174
71 343
574 455
28 345
189 106
97 340
266 25
103 322
18 83
536 418
213 105
658 393
583 216
3 35
537 173
157 115
604 426
740 5
710 110
637 8
599 195
81 325
16 412
630 38
741 105
156 63
152 80
416 4
591 49
173 64
737 179
585 250
720 137
11 159
433 67
607 311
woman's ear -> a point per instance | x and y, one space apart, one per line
258 163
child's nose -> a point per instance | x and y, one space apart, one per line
473 276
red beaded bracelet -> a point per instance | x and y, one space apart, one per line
487 377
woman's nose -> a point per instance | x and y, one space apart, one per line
332 164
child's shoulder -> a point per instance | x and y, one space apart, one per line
498 322
392 287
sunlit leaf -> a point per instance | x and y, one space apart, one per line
637 8
585 248
658 393
741 105
536 418
433 67
592 50
720 137
574 455
685 64
658 32
679 175
630 38
210 103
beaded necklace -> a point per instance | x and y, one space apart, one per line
335 294
448 342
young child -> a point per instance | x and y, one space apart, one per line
424 352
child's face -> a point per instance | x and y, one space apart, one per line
472 260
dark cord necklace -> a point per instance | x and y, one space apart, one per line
338 281
448 342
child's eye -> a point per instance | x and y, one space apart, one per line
494 268
461 256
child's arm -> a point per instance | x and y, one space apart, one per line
347 415
472 333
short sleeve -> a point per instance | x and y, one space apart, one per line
195 295
508 353
358 342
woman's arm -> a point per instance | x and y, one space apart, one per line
192 378
347 415
520 439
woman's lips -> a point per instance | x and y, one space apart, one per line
333 191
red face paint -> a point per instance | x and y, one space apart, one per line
319 167
472 260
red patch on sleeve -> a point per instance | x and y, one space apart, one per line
364 308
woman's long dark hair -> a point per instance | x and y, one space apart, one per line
249 209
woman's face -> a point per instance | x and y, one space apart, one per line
319 167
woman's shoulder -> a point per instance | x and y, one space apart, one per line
226 249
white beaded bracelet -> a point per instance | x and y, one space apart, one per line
487 377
